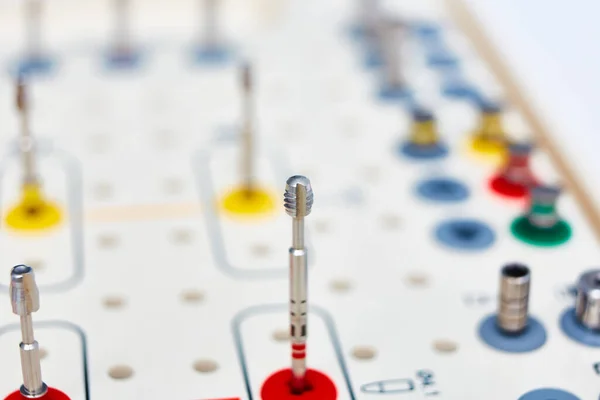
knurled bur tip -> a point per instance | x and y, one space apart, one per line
24 293
298 196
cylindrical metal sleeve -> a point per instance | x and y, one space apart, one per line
513 304
587 305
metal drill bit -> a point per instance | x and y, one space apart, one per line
491 121
513 304
368 14
247 133
587 305
209 37
25 300
122 33
517 168
33 22
26 143
542 210
390 32
298 201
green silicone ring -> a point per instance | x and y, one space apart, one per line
523 230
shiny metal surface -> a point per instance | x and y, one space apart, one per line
517 169
33 24
298 198
543 206
26 142
25 299
513 301
587 304
298 201
247 132
209 36
368 13
24 294
390 33
122 21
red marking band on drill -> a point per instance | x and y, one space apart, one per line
299 351
52 394
319 387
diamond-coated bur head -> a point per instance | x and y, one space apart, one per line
298 197
24 294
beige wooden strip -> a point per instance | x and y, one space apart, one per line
472 28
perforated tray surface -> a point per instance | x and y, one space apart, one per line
150 291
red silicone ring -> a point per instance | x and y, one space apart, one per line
277 387
52 394
506 188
